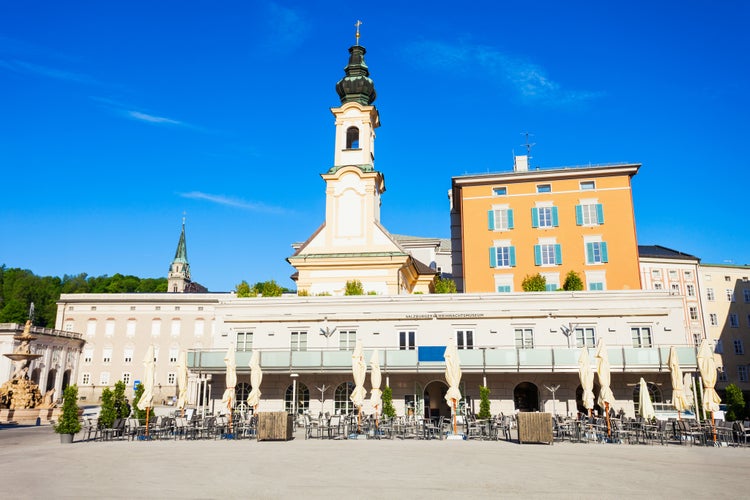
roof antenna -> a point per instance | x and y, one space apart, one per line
528 144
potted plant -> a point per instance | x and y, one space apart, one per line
68 424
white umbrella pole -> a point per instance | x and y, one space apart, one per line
455 426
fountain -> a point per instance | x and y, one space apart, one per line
19 392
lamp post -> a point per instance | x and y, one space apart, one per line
294 394
553 389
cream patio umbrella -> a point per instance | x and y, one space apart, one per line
231 382
147 398
359 372
453 377
375 379
707 367
679 401
606 397
256 377
645 406
182 381
586 374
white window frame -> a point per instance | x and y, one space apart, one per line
107 355
407 340
585 335
347 340
104 378
710 295
642 336
155 327
734 320
126 376
298 340
524 337
693 312
742 373
713 318
690 289
130 328
465 338
739 347
85 378
171 378
88 355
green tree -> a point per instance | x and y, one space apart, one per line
445 285
69 423
534 283
387 397
484 402
107 413
735 403
244 290
269 288
573 282
122 408
354 287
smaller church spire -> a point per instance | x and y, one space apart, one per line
179 270
181 254
356 86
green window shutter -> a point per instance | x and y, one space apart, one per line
493 257
512 256
554 217
510 218
579 215
534 217
558 254
537 255
491 220
604 252
599 213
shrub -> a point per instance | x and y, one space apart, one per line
68 423
735 403
573 282
445 285
107 414
354 287
534 283
387 397
484 402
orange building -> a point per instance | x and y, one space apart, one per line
509 225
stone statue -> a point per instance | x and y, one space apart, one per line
48 400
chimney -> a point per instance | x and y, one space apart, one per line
521 163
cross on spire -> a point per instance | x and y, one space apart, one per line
357 25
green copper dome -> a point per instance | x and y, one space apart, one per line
356 86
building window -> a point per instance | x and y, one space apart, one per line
730 295
641 336
503 289
658 286
739 349
656 274
173 355
589 214
244 341
500 191
693 312
544 188
719 347
727 278
299 341
548 254
91 328
406 341
596 252
130 328
128 355
585 336
199 326
132 308
675 287
200 308
157 308
742 372
500 219
175 330
176 308
544 217
107 355
109 327
155 327
588 185
710 294
88 355
688 275
690 290
85 378
746 294
352 138
342 405
524 338
126 378
347 340
104 378
503 256
465 339
714 319
171 378
303 398
721 374
734 320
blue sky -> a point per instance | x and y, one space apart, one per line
117 117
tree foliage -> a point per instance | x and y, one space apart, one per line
573 282
354 287
20 287
735 403
484 402
69 423
534 283
387 398
107 413
445 285
263 288
243 289
122 408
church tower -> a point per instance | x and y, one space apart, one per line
352 244
179 272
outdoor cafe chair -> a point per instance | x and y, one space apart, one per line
90 428
742 433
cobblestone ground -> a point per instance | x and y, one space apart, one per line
36 465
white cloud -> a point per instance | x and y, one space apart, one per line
234 202
137 115
46 71
529 80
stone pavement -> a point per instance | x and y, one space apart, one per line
36 465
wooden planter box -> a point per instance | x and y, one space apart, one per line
275 426
535 428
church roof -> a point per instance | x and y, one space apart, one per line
661 252
181 254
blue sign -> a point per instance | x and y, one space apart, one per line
431 353
136 383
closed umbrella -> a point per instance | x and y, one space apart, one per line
707 367
586 374
359 372
231 382
645 406
256 377
453 377
375 379
147 397
679 401
182 381
606 397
